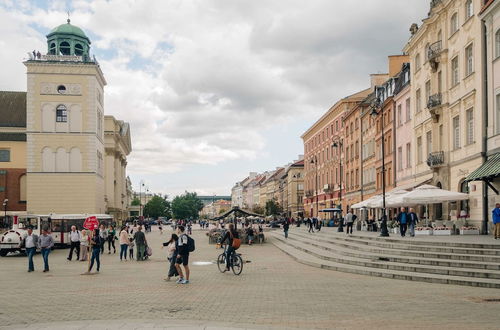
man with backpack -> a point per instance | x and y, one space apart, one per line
349 221
185 245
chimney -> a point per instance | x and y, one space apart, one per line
396 62
377 79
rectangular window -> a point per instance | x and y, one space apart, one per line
456 132
418 101
4 155
400 158
429 142
61 114
400 119
470 125
407 110
419 150
469 9
427 90
469 60
408 155
454 71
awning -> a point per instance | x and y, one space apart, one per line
487 172
331 210
414 184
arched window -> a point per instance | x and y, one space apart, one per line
22 188
52 48
469 9
78 49
62 160
497 43
454 23
61 114
65 48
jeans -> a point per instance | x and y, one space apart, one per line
102 244
111 242
412 229
74 245
123 251
229 252
286 233
402 229
172 271
349 227
96 254
140 252
131 251
30 252
45 256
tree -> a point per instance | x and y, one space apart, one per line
136 202
158 206
221 211
273 207
258 209
186 206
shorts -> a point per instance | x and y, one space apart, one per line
184 259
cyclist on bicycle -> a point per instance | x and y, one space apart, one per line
230 234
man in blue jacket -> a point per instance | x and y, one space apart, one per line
496 220
403 221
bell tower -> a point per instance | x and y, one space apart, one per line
67 39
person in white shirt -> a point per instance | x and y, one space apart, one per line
30 243
74 239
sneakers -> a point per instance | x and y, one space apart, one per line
180 280
185 282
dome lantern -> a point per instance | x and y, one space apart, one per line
68 39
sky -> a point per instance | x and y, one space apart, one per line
215 89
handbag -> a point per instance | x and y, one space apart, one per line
149 251
236 241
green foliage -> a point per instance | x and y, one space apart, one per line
186 206
136 202
221 211
258 209
158 206
273 208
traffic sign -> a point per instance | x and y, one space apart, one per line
91 223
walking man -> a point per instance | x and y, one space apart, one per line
413 221
30 243
496 220
349 221
182 256
46 242
74 238
286 226
403 221
140 241
310 223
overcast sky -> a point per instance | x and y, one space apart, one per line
214 89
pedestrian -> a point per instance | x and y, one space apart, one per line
74 239
104 236
111 239
123 243
46 242
160 228
286 226
172 256
140 241
230 235
34 54
310 224
413 220
349 221
250 233
38 55
402 219
131 245
496 220
182 256
30 243
320 224
189 228
96 244
84 245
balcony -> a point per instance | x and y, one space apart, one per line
309 193
328 188
433 54
435 159
433 104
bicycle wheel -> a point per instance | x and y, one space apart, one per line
221 262
237 265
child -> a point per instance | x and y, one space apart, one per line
131 244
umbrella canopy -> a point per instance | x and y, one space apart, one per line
364 203
428 194
377 200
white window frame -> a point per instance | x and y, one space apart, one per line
469 117
469 9
455 72
454 23
469 59
456 132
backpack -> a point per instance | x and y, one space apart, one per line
190 244
354 217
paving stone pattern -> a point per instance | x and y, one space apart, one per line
274 291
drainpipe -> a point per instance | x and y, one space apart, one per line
484 126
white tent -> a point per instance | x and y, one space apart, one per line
428 194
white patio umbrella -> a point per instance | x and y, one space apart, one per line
377 201
428 194
365 203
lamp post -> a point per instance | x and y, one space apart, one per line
296 177
5 202
340 144
377 104
314 161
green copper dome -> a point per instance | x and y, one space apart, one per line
67 39
68 29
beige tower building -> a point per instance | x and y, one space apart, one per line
65 127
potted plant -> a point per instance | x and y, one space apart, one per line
423 231
442 231
469 230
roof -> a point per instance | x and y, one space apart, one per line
12 109
68 29
489 170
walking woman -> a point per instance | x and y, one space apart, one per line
111 239
230 235
172 256
95 242
84 245
123 243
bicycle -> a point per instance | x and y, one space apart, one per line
236 263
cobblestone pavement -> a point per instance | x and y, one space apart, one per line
273 292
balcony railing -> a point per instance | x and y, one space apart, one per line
434 101
309 193
435 159
434 50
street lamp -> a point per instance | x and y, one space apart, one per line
314 161
5 202
298 203
374 113
340 144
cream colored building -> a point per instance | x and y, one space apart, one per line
117 147
446 102
65 127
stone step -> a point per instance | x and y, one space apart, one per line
310 260
341 241
405 245
335 257
348 252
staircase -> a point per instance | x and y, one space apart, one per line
434 261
